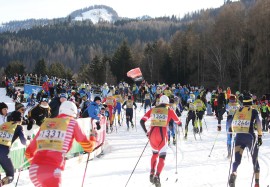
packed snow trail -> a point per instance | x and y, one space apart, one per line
195 167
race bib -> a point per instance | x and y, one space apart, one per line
6 133
52 134
129 104
192 107
199 105
242 120
232 108
109 101
159 117
147 96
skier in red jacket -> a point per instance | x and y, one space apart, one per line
158 136
47 151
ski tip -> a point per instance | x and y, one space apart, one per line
176 180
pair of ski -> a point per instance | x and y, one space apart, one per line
167 180
194 133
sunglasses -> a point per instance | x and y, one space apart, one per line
44 100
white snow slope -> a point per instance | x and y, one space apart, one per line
95 16
190 158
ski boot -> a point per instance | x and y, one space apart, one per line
157 181
119 123
185 137
232 180
132 125
152 178
111 128
200 129
219 128
169 142
174 141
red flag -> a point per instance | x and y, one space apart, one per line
135 74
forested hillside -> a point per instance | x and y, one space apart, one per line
229 46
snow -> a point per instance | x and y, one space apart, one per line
95 15
194 166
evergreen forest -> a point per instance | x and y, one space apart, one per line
228 46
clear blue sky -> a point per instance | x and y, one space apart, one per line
26 9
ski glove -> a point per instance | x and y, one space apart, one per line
98 125
259 141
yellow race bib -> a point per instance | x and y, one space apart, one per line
129 104
242 120
159 117
52 134
192 107
7 132
147 96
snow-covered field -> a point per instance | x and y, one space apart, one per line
190 158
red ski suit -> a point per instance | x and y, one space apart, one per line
160 117
49 147
110 101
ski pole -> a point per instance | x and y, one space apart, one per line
252 153
232 151
137 163
123 113
135 121
21 166
214 144
205 124
176 139
87 157
85 168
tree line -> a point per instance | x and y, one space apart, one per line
228 46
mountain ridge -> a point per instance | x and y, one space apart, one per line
95 13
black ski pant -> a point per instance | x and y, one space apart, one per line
6 162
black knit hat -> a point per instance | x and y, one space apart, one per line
2 105
97 98
247 100
15 116
18 106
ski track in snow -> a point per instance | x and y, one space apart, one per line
194 167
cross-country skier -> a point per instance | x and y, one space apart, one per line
158 137
117 108
172 127
265 112
231 107
147 101
129 111
110 101
51 144
190 116
200 109
243 126
221 107
10 131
